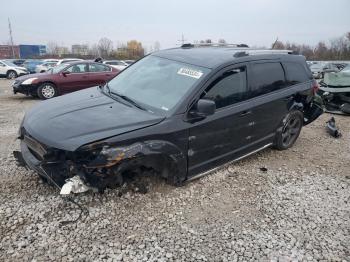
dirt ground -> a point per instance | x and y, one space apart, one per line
298 210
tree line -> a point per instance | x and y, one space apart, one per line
336 49
104 48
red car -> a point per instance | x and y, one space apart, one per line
64 78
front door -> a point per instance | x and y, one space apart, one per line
219 137
78 78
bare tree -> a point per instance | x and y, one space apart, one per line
222 41
105 47
93 50
52 48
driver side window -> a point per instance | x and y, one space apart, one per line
228 89
77 68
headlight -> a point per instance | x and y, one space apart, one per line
29 81
109 156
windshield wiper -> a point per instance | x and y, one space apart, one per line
126 98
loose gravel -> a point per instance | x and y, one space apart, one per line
297 209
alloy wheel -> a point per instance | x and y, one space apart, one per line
291 131
12 75
48 91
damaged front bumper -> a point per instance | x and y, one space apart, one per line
17 87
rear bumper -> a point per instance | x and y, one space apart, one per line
312 113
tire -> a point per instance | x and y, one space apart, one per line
47 91
11 74
289 133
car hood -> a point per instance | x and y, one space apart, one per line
21 68
38 75
82 117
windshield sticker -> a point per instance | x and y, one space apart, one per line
190 72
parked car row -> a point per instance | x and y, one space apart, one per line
32 66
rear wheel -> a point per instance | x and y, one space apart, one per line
290 131
11 74
47 91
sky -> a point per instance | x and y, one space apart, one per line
254 22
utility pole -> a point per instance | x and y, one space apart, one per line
182 40
11 39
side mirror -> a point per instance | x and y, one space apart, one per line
65 73
203 108
206 107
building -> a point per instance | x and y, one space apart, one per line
32 51
8 51
62 50
82 50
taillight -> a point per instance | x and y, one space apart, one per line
314 87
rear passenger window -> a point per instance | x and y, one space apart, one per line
228 89
266 78
99 68
295 73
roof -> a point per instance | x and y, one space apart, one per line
212 57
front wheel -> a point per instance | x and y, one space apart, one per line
290 131
47 91
11 74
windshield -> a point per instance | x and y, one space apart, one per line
8 63
157 82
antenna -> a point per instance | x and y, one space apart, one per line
182 40
11 39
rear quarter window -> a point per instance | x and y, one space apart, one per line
296 73
266 77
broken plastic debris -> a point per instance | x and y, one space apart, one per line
74 185
332 128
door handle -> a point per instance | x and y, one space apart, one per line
107 75
245 113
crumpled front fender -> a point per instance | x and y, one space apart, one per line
160 155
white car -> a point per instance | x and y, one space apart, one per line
51 60
10 70
42 68
67 60
118 64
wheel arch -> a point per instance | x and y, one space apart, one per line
162 156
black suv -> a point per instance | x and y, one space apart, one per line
179 112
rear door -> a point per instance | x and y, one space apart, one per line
219 137
270 93
78 78
99 73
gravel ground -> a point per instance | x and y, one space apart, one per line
298 210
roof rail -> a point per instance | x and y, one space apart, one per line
247 52
189 45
